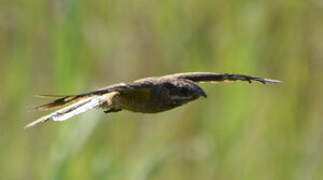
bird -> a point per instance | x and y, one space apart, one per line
147 95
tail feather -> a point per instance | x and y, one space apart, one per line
62 100
49 96
76 108
57 103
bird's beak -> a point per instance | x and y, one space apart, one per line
202 93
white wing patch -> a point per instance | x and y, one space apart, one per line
74 109
78 108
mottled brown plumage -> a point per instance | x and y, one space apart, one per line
148 95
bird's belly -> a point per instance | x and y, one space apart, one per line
144 101
143 105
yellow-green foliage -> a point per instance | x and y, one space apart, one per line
241 131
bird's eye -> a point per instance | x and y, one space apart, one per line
184 91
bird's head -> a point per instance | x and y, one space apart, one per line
183 91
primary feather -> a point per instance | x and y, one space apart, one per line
76 108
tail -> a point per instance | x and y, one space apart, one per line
82 105
58 102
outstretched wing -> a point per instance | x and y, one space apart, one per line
215 77
76 108
80 103
84 102
72 98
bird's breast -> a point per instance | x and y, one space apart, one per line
146 100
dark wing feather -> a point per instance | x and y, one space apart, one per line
49 96
215 77
71 98
58 102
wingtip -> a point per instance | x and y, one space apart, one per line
38 121
49 96
28 126
32 124
263 80
273 81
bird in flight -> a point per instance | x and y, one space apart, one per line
147 95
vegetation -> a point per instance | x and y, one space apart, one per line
241 131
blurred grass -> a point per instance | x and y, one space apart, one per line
241 131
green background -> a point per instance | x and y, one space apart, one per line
241 131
